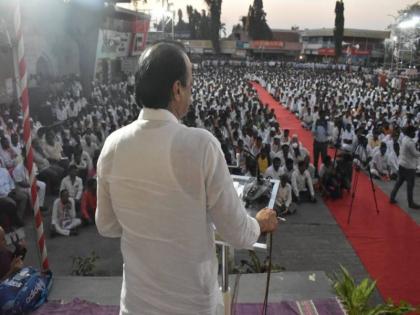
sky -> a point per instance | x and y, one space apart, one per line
364 14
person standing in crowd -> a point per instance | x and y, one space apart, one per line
408 160
321 133
162 187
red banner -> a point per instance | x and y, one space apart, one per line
140 28
356 52
349 52
327 51
267 44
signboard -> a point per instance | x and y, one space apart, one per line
348 52
267 44
327 51
112 44
140 31
242 45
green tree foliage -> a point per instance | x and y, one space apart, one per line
256 23
215 9
339 27
410 11
181 26
198 24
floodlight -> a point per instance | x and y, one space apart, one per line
411 23
158 13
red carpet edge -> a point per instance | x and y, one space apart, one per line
388 244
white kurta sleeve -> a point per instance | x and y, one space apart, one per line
54 214
288 202
310 184
225 209
294 184
106 221
79 189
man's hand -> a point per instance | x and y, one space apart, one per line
267 219
16 264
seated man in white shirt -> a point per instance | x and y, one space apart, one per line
285 154
73 184
288 170
8 202
303 189
274 171
275 148
64 220
380 166
308 119
284 203
21 178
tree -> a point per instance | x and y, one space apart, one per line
181 26
215 9
204 31
257 26
339 28
192 21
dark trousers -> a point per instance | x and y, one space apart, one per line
319 148
405 174
8 213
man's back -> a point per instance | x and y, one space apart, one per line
152 177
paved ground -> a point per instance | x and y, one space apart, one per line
309 240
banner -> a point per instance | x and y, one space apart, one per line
112 44
327 51
267 44
345 51
140 30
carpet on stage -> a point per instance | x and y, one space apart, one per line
388 243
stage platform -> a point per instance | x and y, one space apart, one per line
284 286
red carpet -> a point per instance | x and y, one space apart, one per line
388 244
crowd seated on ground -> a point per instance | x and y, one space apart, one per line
64 152
343 110
361 117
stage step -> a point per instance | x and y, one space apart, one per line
284 286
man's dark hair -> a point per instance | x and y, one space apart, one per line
160 66
63 191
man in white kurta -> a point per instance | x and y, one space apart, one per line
161 187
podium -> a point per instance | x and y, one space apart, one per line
262 244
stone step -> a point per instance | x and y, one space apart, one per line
284 286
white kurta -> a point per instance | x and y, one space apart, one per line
161 186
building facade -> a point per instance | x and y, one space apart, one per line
359 46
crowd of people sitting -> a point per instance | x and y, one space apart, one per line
345 110
64 154
350 111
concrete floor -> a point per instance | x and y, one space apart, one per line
309 240
284 286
